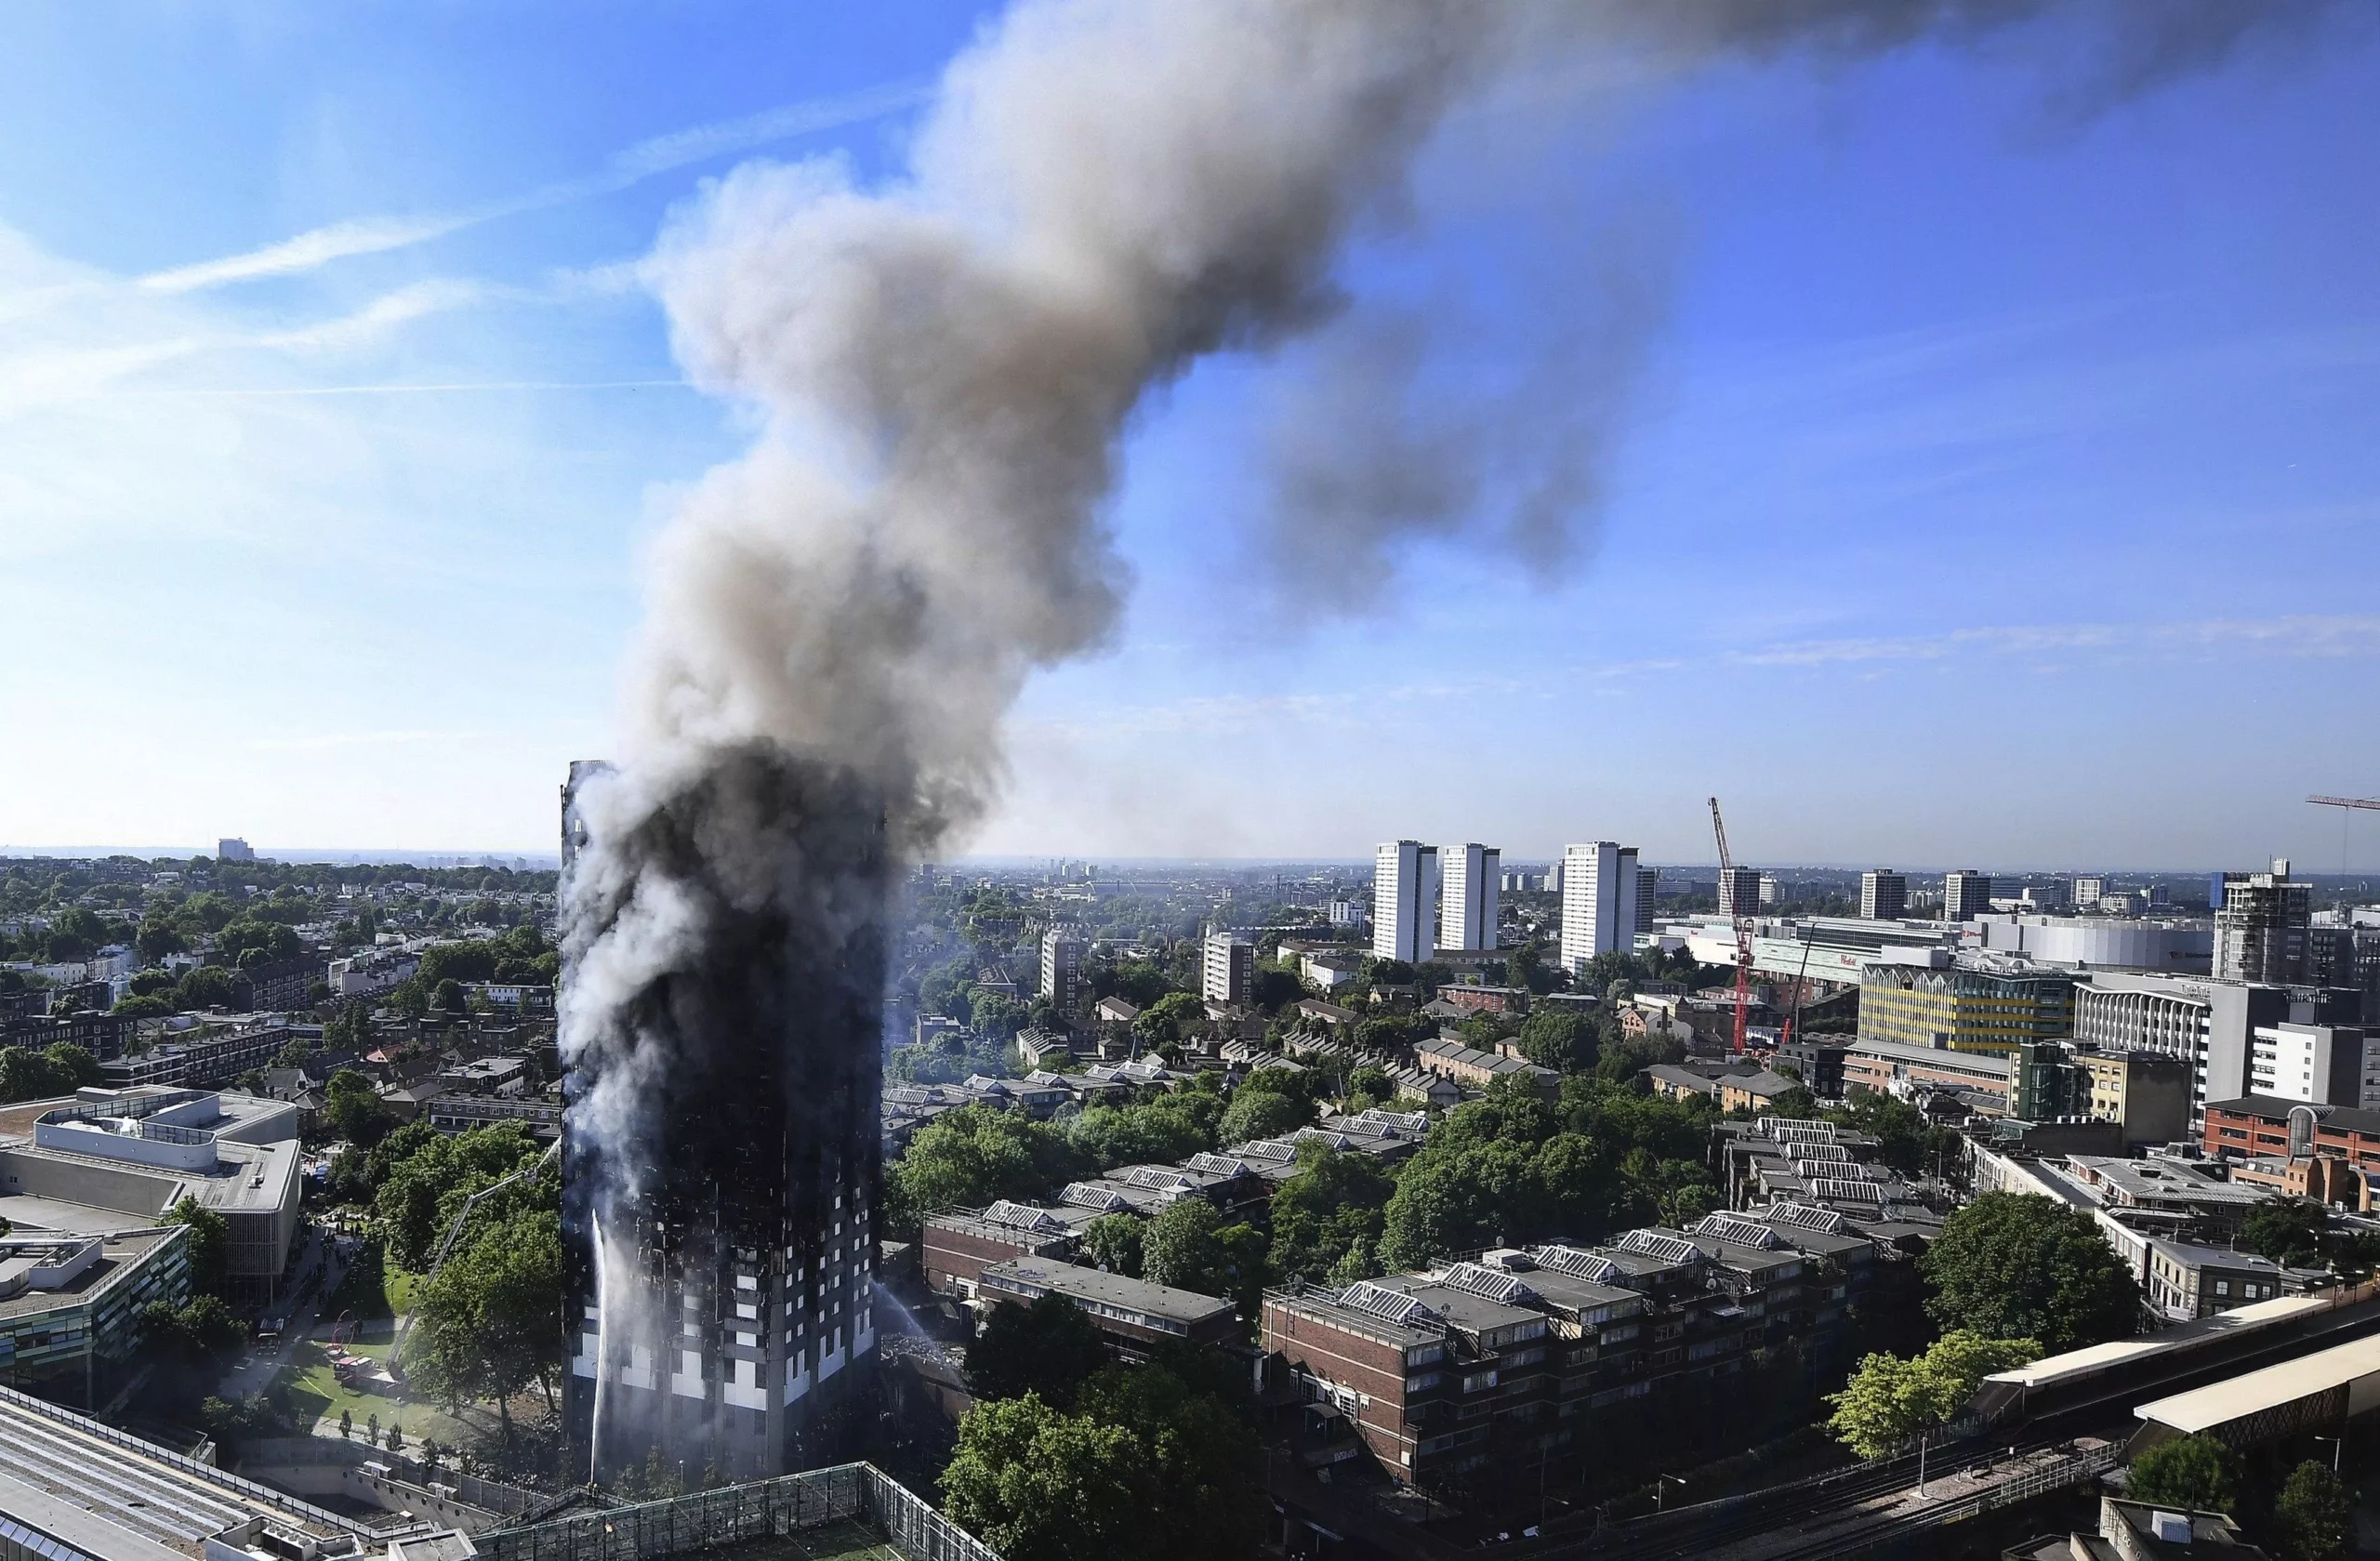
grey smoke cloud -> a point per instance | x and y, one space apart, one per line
1103 192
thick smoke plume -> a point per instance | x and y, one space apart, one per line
1103 192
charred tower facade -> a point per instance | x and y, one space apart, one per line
720 1150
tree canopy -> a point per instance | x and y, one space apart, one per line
1512 1168
974 1155
2018 1265
2196 1473
209 1252
1048 1347
1188 1246
1329 1216
490 1320
1888 1399
2314 1517
1151 1464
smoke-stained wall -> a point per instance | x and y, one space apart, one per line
721 1144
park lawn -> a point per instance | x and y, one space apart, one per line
844 1542
315 1396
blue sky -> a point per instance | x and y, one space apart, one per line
1996 487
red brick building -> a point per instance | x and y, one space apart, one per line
2258 1126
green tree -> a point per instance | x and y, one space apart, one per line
1171 1126
2288 1230
1049 1347
490 1321
1188 1246
1164 1021
1039 1484
1337 1201
420 1193
2196 1473
205 986
1113 1242
355 1109
976 1155
1889 1399
2014 1265
2314 1517
209 1248
1254 1114
1560 1040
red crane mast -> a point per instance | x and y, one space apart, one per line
1743 928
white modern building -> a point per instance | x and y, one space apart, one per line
1227 973
1884 895
1599 893
1468 879
1404 901
1965 895
1061 952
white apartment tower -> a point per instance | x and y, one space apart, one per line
1965 895
1468 880
1884 895
1227 973
1062 951
1599 893
1404 901
1739 891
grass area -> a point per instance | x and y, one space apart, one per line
315 1395
843 1541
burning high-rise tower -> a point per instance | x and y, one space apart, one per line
720 1206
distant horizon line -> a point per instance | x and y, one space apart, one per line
548 861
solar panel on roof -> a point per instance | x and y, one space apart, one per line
1743 1232
1268 1149
1814 1150
1155 1178
1022 1216
1806 1216
1487 1282
1579 1264
1849 1192
1090 1195
1661 1245
1218 1165
1336 1139
1389 1306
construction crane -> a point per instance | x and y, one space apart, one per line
1743 927
2348 807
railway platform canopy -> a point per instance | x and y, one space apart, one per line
2318 1392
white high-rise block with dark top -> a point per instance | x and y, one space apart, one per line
1467 884
1884 895
1739 891
1228 972
1965 895
1599 894
1404 901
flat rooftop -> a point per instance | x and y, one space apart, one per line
1106 1294
120 1257
115 1498
2222 1403
2099 1357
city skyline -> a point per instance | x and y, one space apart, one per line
2117 483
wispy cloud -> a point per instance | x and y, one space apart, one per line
354 739
679 149
2302 637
